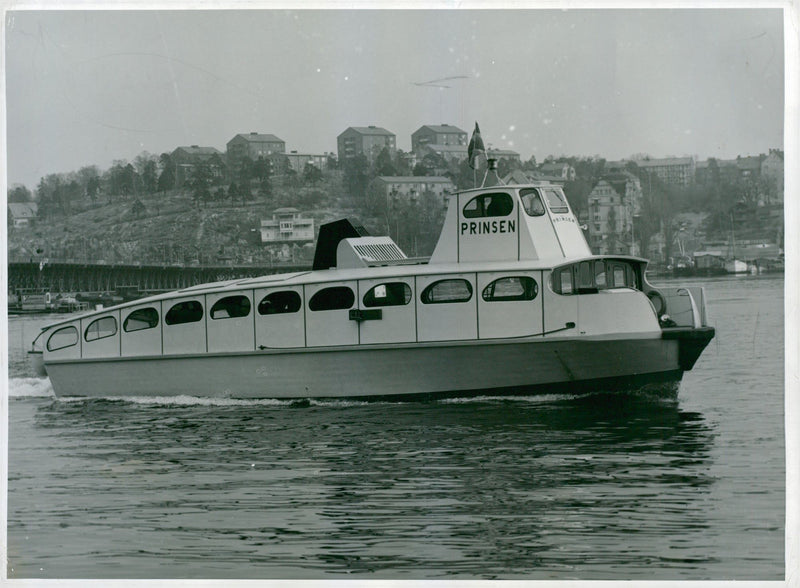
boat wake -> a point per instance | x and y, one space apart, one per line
30 388
42 388
186 400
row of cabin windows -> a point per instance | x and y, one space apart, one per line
587 277
501 203
457 290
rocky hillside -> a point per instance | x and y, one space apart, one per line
165 227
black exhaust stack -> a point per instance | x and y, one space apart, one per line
329 236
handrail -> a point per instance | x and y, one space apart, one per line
696 321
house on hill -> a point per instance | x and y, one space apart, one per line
188 159
449 153
298 161
252 146
438 136
563 171
287 225
368 141
22 214
411 187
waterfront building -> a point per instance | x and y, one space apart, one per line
287 225
614 202
188 159
709 260
674 170
368 141
438 136
252 145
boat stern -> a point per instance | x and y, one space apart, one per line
682 314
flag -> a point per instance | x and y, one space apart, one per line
475 146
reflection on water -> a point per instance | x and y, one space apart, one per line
487 488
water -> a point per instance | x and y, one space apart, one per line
547 487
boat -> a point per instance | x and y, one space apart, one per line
511 301
736 266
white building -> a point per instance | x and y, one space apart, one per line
287 225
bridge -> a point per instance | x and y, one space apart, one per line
71 276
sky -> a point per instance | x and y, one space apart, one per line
91 87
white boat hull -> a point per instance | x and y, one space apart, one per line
507 366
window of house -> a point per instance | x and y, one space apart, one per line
511 288
101 328
532 202
140 319
190 311
499 204
63 337
334 298
230 307
283 302
389 294
445 291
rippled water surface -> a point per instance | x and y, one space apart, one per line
635 486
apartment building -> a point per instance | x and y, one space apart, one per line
188 159
613 203
437 136
678 171
411 187
252 146
368 141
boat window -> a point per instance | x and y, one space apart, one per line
101 328
140 319
511 288
64 337
622 275
562 280
499 204
389 294
600 274
281 302
555 200
334 298
589 277
189 311
532 202
453 290
585 282
230 307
